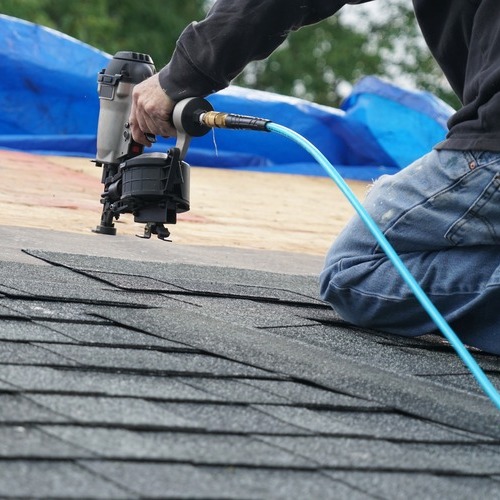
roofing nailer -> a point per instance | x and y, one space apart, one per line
154 187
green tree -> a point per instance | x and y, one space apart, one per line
111 25
314 62
397 39
323 61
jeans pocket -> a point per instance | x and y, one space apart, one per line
480 224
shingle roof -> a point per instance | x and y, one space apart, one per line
172 378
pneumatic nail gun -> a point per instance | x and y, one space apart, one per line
154 187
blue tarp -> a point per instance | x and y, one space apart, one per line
49 103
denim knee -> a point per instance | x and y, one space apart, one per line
442 217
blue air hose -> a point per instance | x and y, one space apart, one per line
435 315
211 119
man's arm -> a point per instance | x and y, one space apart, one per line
210 53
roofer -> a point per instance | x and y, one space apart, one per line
441 214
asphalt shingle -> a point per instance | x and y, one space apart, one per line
64 479
196 448
188 481
129 379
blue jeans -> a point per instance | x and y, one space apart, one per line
442 216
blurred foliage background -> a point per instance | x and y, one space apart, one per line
319 63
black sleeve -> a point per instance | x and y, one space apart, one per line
210 53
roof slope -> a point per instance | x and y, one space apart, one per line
122 378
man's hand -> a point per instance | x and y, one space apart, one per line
151 111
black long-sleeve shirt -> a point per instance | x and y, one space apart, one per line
463 36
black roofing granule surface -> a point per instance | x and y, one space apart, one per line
125 379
